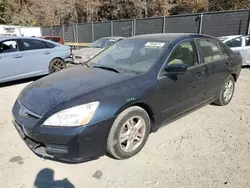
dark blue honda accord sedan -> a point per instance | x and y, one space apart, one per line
112 103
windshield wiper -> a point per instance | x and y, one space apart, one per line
107 68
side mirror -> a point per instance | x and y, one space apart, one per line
176 68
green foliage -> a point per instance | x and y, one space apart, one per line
55 12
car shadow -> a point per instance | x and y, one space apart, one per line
45 179
17 82
246 66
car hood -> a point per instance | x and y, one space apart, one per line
87 51
46 93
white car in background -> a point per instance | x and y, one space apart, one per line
85 54
239 43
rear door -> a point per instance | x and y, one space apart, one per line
11 59
183 92
217 64
36 56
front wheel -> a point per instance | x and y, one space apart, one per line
227 92
129 133
56 65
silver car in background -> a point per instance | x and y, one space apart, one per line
239 43
84 54
24 57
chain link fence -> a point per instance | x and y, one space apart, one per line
215 24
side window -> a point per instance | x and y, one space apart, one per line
49 45
9 46
186 52
210 51
247 41
31 44
223 51
234 43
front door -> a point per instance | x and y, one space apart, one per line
10 60
183 92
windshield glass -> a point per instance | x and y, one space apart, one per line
100 43
223 38
136 56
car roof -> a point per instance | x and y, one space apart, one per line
167 36
114 37
229 37
2 38
15 37
50 37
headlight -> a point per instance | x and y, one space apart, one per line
88 57
75 116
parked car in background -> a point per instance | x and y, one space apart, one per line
54 39
239 43
23 57
122 94
85 54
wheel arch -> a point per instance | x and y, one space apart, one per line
53 60
144 106
234 76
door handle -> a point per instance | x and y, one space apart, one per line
200 74
18 56
46 53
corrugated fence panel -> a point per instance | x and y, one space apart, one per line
84 32
182 24
57 31
102 29
123 28
225 23
69 34
148 26
46 31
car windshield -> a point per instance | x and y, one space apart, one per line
101 43
136 56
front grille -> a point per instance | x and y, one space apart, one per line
24 116
24 112
78 57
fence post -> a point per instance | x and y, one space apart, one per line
92 30
164 25
77 41
248 24
63 32
134 27
112 28
201 24
51 31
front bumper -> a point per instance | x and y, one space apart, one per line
68 59
71 145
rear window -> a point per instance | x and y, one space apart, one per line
49 45
54 39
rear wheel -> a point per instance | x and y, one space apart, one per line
56 65
129 133
227 92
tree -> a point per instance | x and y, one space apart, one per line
219 5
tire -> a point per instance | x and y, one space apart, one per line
56 65
222 99
121 150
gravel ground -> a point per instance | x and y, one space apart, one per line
208 148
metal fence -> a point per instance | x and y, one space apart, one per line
215 24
